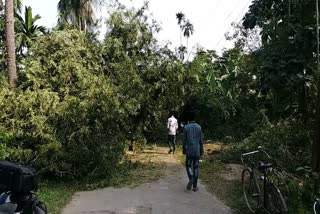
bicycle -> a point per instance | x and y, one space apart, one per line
259 191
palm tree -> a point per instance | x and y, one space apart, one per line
188 30
78 13
10 45
29 29
181 19
18 6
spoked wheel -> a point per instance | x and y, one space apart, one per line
251 190
275 201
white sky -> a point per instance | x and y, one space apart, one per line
211 18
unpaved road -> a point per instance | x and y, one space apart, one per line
166 196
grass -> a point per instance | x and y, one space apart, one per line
130 174
229 191
56 195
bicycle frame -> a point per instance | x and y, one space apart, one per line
265 188
252 166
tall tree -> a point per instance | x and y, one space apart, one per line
78 13
187 29
288 47
289 60
11 58
181 18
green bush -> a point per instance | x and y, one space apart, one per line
220 117
80 102
288 142
66 117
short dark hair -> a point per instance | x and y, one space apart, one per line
191 115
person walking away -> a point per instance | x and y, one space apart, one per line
193 149
172 127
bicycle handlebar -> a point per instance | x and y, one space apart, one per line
250 153
260 149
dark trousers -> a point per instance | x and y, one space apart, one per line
172 142
193 172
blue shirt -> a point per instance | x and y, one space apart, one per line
192 140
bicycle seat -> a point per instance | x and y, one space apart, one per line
264 166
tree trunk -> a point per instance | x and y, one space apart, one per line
11 58
316 141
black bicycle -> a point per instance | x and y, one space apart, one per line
258 190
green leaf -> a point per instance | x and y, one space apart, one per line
212 83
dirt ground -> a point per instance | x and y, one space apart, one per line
165 196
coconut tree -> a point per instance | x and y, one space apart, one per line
10 44
188 30
181 19
29 29
78 13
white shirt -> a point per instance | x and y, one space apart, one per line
172 125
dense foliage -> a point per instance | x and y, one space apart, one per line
273 90
79 101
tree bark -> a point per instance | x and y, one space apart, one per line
10 45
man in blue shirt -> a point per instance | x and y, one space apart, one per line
193 149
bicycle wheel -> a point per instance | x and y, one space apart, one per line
275 201
251 190
316 207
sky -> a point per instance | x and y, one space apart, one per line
211 18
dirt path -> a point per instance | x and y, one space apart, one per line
166 196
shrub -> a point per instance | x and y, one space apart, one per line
288 142
66 117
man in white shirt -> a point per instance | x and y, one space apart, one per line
172 127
